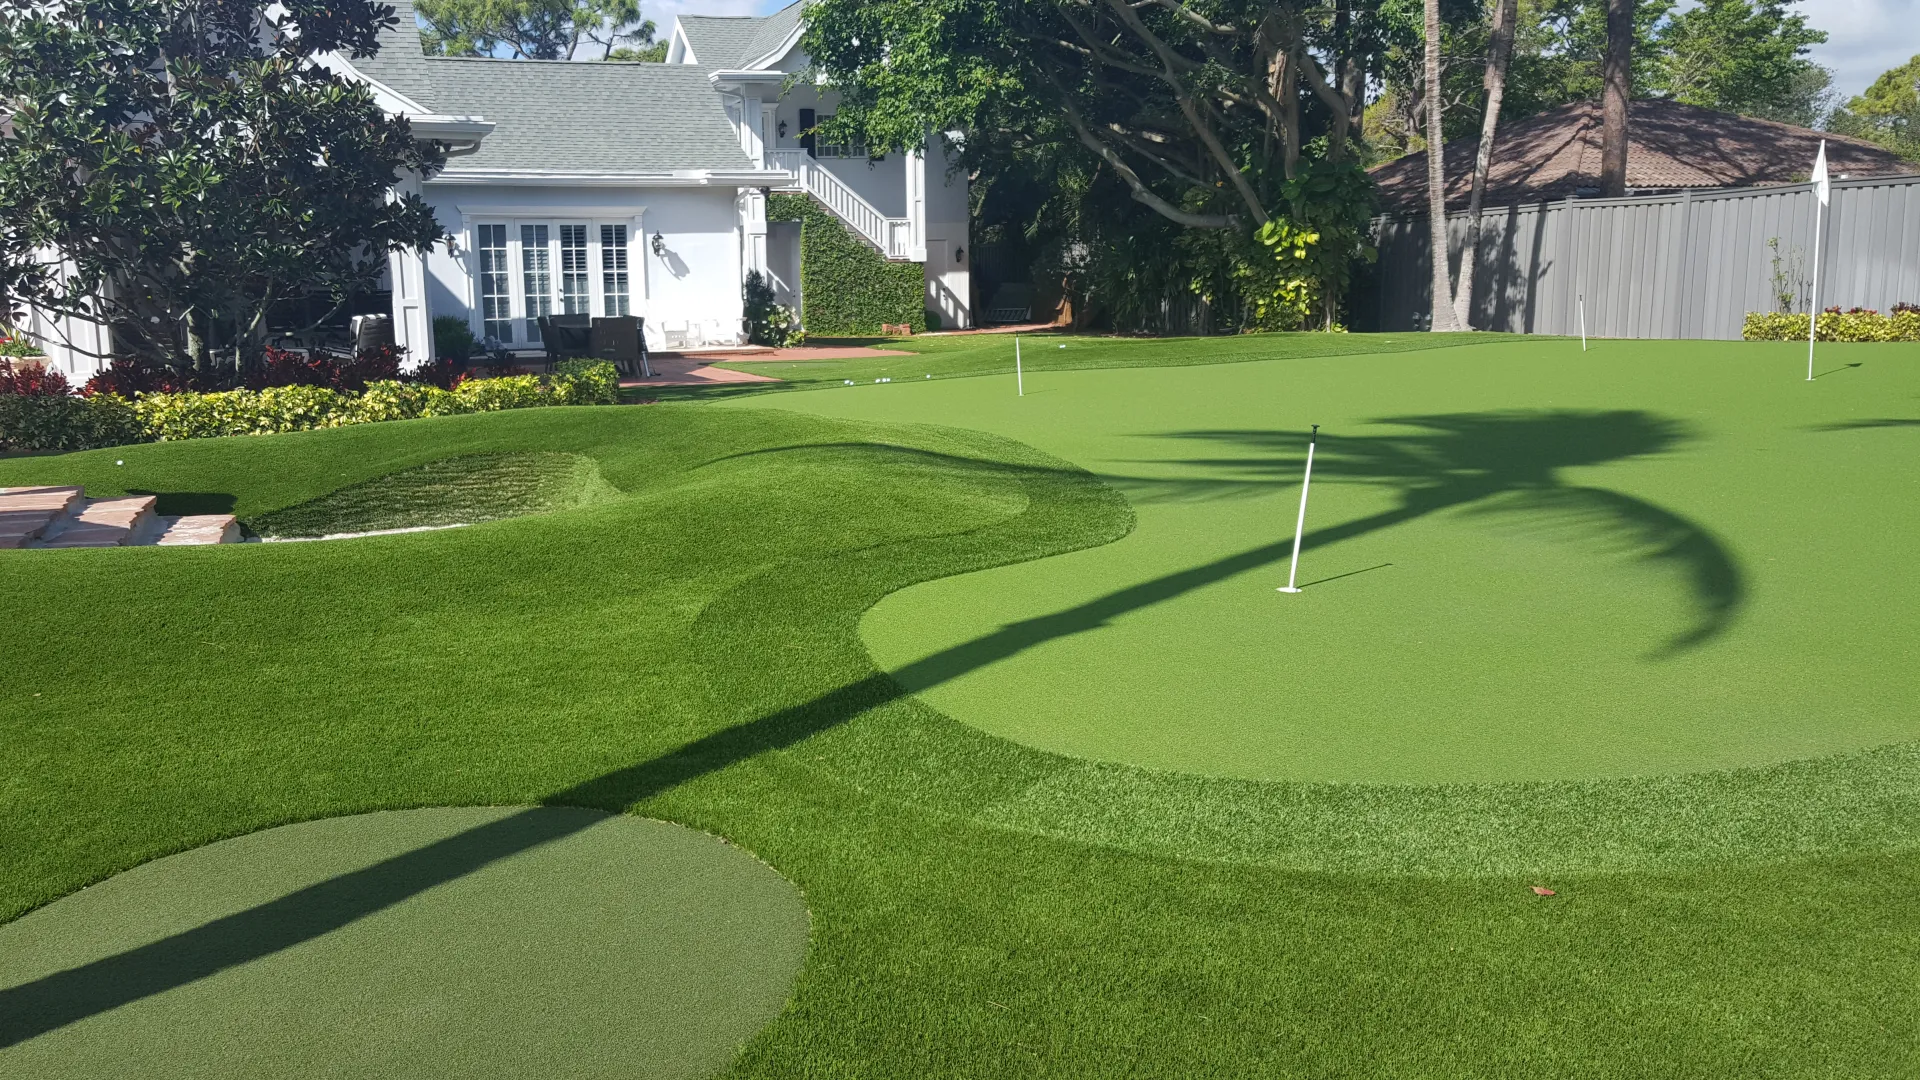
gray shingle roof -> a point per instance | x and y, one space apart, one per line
589 116
566 116
773 30
718 41
400 65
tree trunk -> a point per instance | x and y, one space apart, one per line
196 326
1437 179
1499 53
1613 104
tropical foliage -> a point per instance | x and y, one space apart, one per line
196 167
1125 133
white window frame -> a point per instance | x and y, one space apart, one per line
592 218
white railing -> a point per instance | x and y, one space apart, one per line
899 238
892 236
792 161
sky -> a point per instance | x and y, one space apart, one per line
1865 37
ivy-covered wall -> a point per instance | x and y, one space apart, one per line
847 289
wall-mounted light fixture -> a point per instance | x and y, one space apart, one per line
783 129
959 255
659 246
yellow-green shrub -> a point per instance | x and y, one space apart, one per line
1860 324
241 412
585 382
505 392
304 408
388 400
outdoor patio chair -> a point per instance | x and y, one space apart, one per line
371 332
622 340
566 336
686 336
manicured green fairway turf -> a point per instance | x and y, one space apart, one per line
1530 564
581 944
689 648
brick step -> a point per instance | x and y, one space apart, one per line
25 512
196 529
103 523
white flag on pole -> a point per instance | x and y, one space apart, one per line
1821 191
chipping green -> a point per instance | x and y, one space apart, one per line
463 490
530 942
691 650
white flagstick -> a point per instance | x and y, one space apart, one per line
1820 189
1813 303
1583 322
1300 523
1019 380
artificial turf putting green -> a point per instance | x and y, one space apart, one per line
1523 563
690 650
523 942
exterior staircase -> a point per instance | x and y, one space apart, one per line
893 237
63 517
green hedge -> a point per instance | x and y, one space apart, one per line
77 423
847 288
1860 324
49 422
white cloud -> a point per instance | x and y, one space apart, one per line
1864 38
663 11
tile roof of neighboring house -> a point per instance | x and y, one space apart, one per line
1669 146
563 115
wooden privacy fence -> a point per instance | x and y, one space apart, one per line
1667 266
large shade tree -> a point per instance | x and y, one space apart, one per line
537 29
176 168
1888 112
1233 117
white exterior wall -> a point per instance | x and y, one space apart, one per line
916 186
695 283
406 277
949 254
882 183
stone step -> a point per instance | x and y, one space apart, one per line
103 523
197 529
25 512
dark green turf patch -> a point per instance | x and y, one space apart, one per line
483 942
462 490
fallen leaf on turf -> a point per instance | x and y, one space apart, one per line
1538 891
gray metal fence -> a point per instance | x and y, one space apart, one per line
1669 266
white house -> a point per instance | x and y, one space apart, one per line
636 188
630 188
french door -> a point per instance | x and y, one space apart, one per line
527 269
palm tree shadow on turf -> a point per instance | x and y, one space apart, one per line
1508 464
1461 461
